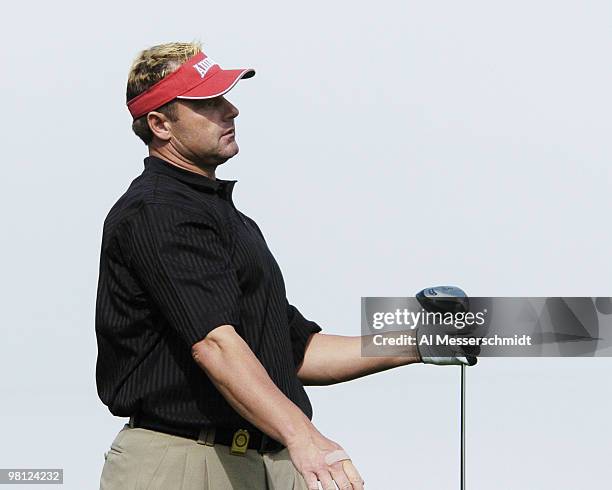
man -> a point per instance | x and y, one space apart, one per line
197 342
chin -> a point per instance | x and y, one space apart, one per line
227 154
231 151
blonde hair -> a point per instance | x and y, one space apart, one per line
149 67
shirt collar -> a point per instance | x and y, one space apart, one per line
219 186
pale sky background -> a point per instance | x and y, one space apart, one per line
385 147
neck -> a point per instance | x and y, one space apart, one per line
178 160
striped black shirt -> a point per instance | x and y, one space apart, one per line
178 260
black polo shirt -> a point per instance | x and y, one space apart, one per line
178 260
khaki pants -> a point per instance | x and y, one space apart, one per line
144 459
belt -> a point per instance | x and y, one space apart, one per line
238 439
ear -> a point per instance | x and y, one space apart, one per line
159 125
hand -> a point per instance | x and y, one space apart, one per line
309 453
445 355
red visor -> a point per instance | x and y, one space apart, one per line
198 78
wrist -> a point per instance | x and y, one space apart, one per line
413 353
418 355
297 432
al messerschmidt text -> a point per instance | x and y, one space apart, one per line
451 340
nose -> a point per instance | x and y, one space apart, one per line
231 110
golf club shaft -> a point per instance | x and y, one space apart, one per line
462 470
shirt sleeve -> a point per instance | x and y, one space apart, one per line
300 329
185 266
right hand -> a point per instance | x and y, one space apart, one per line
445 355
308 455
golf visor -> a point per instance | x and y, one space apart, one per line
198 78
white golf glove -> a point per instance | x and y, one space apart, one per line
445 355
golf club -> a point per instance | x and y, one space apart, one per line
452 299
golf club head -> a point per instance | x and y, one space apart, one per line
445 299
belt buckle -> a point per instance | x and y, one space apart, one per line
240 442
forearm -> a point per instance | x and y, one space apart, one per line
245 384
331 359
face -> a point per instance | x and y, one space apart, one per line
204 132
